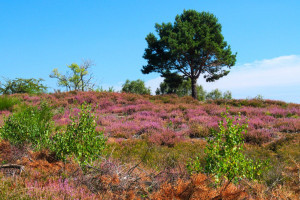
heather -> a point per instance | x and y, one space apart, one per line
130 116
150 139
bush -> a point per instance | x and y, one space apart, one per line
224 154
136 87
20 85
80 139
227 95
30 125
214 94
7 103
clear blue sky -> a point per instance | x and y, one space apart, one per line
38 35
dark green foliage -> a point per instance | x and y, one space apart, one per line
7 103
192 46
21 85
136 87
168 86
80 139
185 90
175 84
225 154
30 125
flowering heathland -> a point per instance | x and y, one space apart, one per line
149 141
122 115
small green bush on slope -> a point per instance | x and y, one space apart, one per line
7 103
33 126
136 87
21 85
30 125
225 157
80 139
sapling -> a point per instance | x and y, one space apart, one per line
81 139
225 159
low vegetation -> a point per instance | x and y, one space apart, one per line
7 103
30 125
224 155
80 139
105 145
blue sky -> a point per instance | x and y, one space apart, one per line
37 36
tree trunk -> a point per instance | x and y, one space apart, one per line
194 87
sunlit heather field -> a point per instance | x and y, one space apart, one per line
150 140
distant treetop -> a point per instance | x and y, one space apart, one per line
22 85
137 87
79 78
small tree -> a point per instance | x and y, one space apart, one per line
201 93
192 46
137 87
225 157
227 95
21 85
214 94
217 94
79 79
30 125
80 139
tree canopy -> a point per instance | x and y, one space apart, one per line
79 79
192 46
137 87
22 85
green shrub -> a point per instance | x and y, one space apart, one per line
30 125
7 103
80 139
227 95
224 154
136 87
21 85
214 94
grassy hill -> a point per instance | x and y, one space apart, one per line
150 139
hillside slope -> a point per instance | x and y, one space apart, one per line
150 140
